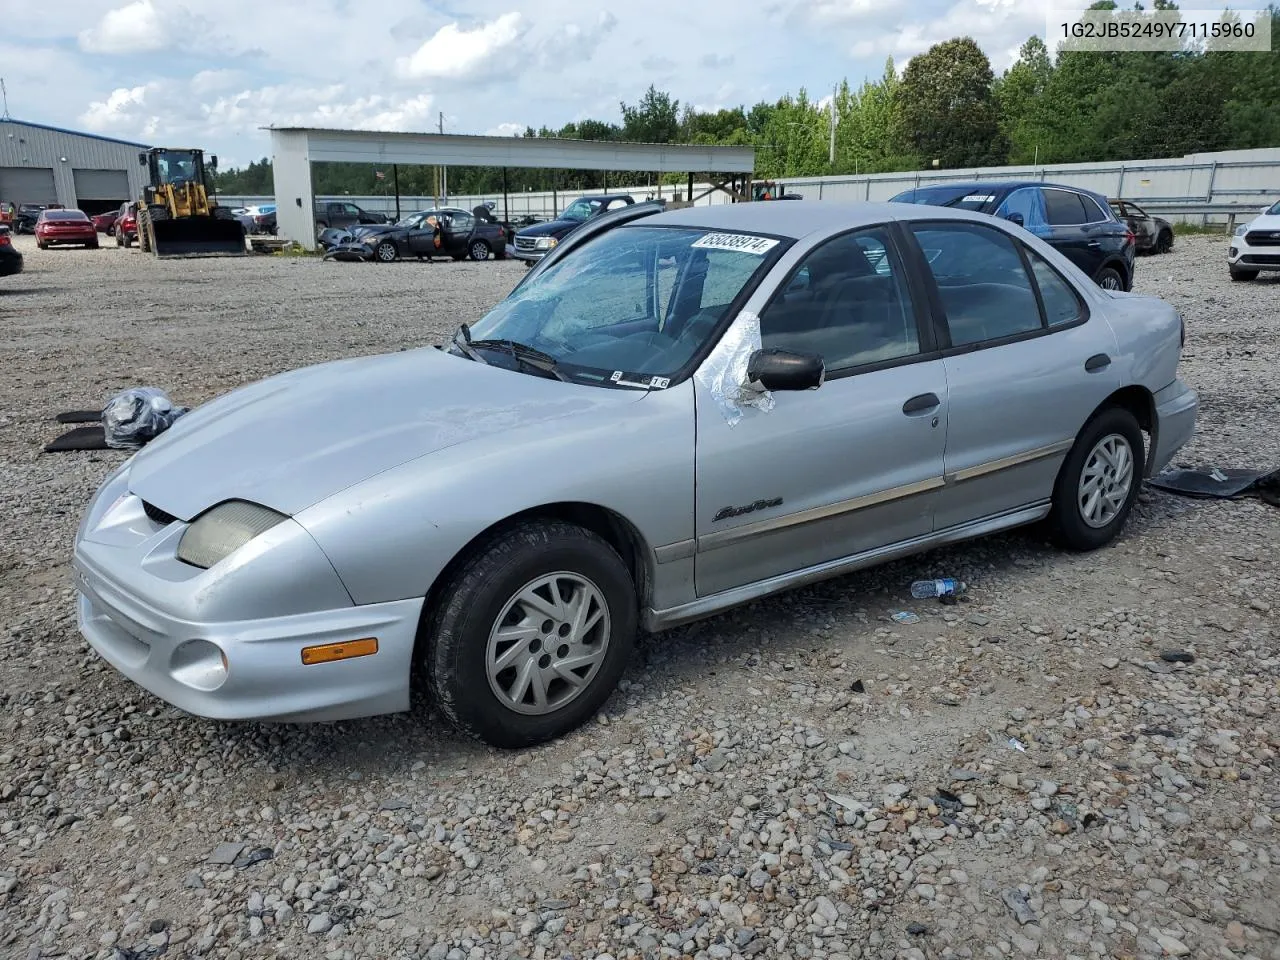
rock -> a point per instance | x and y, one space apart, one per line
1177 656
1111 662
644 891
320 923
917 929
1016 901
825 910
1172 946
226 853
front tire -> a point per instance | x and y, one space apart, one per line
1243 274
1099 481
386 252
531 635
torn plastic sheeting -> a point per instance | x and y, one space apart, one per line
724 373
134 416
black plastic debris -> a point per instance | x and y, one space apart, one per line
1220 484
917 929
857 687
1177 656
79 438
946 800
254 856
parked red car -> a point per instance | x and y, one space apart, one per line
65 226
105 222
127 225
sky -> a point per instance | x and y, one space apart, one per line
212 73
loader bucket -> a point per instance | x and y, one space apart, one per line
199 237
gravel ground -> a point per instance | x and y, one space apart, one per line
1035 773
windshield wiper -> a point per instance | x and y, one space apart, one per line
464 344
522 353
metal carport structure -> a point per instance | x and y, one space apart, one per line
294 149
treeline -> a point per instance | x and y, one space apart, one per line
947 109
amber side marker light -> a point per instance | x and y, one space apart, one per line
329 652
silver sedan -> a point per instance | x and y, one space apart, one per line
673 413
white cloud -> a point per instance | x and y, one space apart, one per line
213 81
124 107
135 27
574 43
505 130
453 52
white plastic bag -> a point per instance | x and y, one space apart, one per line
134 416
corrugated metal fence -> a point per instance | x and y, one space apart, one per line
1203 187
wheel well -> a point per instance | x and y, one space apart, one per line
611 527
1118 265
1138 401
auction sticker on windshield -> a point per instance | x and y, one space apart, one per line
741 242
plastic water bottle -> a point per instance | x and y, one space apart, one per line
923 589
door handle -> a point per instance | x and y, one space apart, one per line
1094 243
1099 361
921 403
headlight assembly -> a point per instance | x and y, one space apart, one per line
1242 230
221 531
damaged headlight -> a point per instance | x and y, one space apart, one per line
221 531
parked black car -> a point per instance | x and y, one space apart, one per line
343 214
10 258
28 214
446 232
532 243
1155 234
1080 223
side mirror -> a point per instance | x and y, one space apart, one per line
1015 218
142 159
213 161
783 370
1264 209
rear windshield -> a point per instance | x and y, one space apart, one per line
64 215
970 197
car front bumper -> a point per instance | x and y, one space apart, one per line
1242 256
1177 407
227 644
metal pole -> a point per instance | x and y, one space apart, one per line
689 196
395 176
444 171
506 210
832 158
555 203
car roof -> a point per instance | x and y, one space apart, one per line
800 218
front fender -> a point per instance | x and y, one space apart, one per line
391 536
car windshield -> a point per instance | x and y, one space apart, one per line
636 301
412 220
972 197
1274 209
580 210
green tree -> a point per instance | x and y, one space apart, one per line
948 112
655 119
1019 94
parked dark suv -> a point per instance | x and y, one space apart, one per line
343 214
534 242
1080 223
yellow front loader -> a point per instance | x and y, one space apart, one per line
176 217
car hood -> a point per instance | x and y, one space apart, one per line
1265 222
552 228
294 439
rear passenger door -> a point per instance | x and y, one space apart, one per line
1025 365
1066 213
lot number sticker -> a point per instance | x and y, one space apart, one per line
758 246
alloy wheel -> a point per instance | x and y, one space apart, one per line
1105 480
548 643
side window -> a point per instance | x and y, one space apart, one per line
1062 305
1093 212
1028 203
1065 208
852 309
984 287
351 209
463 223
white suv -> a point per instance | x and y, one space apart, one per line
1256 245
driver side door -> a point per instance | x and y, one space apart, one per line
847 468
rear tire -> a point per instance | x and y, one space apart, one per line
1164 242
479 250
1109 278
1243 274
1099 481
510 691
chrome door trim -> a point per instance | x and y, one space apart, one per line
670 552
1005 463
655 620
722 538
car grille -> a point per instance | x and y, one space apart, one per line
526 243
157 515
1263 238
1261 258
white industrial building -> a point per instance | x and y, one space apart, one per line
42 164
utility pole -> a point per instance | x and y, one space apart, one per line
444 171
5 94
832 156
